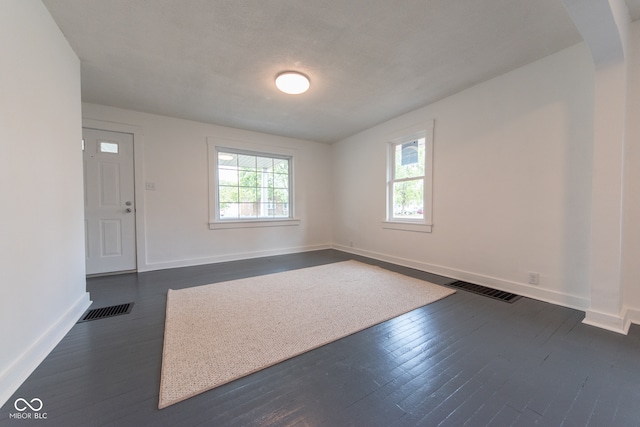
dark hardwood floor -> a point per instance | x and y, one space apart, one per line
464 360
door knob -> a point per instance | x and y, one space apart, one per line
128 210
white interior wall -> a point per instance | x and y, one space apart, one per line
512 183
604 26
631 230
176 214
41 228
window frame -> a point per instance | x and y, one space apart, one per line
424 224
217 145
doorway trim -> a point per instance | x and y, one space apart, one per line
138 174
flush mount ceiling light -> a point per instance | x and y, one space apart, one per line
292 82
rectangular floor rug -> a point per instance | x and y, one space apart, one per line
217 333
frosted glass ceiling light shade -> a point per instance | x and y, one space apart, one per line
292 82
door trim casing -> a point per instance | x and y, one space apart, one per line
138 171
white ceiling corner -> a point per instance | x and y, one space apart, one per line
634 9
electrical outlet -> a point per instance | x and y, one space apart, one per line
534 278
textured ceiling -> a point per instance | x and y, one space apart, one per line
369 60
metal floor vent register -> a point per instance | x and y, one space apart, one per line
104 312
483 290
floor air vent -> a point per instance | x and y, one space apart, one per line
483 290
101 313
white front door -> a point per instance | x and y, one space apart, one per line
109 204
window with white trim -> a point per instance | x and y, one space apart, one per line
250 188
409 183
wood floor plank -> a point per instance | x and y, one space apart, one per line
464 360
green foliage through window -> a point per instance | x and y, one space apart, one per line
253 185
407 180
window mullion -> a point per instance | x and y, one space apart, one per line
414 178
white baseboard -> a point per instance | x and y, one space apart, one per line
523 289
619 323
228 257
612 322
19 371
632 315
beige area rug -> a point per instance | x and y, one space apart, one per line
217 333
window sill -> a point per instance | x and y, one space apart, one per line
407 226
222 225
